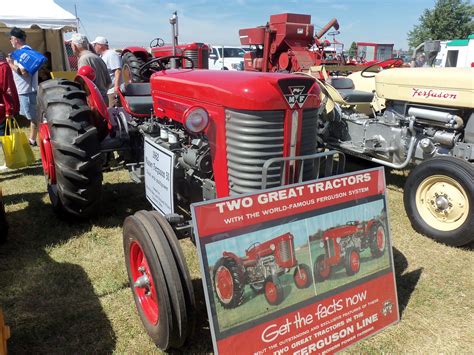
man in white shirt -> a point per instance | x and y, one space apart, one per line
114 65
26 84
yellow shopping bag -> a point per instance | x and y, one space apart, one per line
16 147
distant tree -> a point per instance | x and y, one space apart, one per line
449 19
353 49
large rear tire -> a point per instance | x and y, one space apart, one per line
131 68
75 189
228 282
439 200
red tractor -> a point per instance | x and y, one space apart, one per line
343 244
134 57
215 130
260 268
287 43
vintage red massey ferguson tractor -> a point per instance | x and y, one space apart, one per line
218 127
286 43
134 57
343 244
260 268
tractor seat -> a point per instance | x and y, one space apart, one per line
339 83
136 89
356 96
138 97
345 87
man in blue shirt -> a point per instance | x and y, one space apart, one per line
26 84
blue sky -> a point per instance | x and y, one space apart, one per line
136 22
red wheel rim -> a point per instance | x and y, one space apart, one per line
301 277
324 269
146 293
46 150
271 292
224 284
380 238
354 261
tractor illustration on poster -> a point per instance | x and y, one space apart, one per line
343 244
260 268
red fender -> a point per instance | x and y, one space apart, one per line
97 106
140 52
46 150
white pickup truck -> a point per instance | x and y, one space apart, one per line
226 58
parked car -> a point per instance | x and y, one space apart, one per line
226 58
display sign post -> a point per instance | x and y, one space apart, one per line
300 269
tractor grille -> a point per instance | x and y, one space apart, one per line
308 141
285 250
194 55
252 138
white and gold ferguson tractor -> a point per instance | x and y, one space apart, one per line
419 118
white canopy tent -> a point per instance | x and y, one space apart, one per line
44 23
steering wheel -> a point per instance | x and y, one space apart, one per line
159 64
394 63
157 42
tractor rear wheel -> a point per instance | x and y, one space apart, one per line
70 149
228 282
131 68
322 269
439 200
377 239
302 276
273 291
352 261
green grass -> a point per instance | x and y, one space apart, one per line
63 287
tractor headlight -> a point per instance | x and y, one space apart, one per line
321 244
196 119
338 240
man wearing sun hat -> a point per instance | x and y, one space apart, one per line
114 66
80 47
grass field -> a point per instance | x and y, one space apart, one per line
63 287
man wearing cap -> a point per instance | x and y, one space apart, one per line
80 45
114 66
26 84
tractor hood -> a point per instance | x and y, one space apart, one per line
235 89
432 86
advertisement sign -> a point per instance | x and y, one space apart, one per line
159 176
306 268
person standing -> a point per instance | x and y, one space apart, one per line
114 66
26 84
80 45
9 101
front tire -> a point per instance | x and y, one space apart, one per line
273 291
352 261
302 276
147 281
438 198
378 240
74 148
322 269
